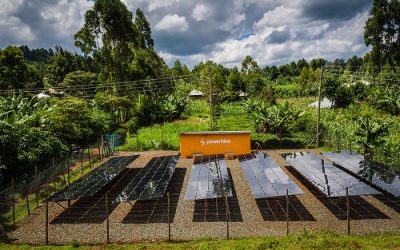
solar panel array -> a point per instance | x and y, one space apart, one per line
89 184
152 180
368 170
209 179
265 178
329 179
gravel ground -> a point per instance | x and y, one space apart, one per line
32 229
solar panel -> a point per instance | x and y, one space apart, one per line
209 179
265 177
89 184
152 181
370 171
329 179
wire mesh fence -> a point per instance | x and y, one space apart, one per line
23 195
100 219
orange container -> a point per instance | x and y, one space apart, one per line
214 142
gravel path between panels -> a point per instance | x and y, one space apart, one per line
32 229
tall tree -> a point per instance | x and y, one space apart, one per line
144 31
110 21
14 72
382 32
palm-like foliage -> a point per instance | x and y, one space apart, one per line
370 134
389 100
19 110
276 119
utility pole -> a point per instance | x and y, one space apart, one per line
319 106
211 105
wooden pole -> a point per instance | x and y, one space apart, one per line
211 105
319 106
36 186
107 221
287 211
47 223
348 210
169 217
27 203
13 199
81 159
69 181
227 215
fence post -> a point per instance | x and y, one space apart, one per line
107 221
348 210
47 222
13 199
27 203
101 147
81 160
227 215
287 211
68 174
169 217
36 186
54 174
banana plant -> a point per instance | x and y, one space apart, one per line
370 134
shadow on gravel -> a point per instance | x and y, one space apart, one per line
360 209
214 210
390 201
156 211
274 209
93 209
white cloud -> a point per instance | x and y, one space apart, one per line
201 12
172 23
66 14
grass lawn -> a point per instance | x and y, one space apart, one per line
320 240
163 136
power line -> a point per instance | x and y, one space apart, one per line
138 84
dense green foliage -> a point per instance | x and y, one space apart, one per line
122 85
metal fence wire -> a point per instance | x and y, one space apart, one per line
101 218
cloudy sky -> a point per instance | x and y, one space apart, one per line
225 31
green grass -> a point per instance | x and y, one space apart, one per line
299 103
233 117
319 240
165 136
197 108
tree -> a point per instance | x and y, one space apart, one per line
252 76
180 69
13 70
76 81
144 31
382 32
337 92
110 21
72 120
62 63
